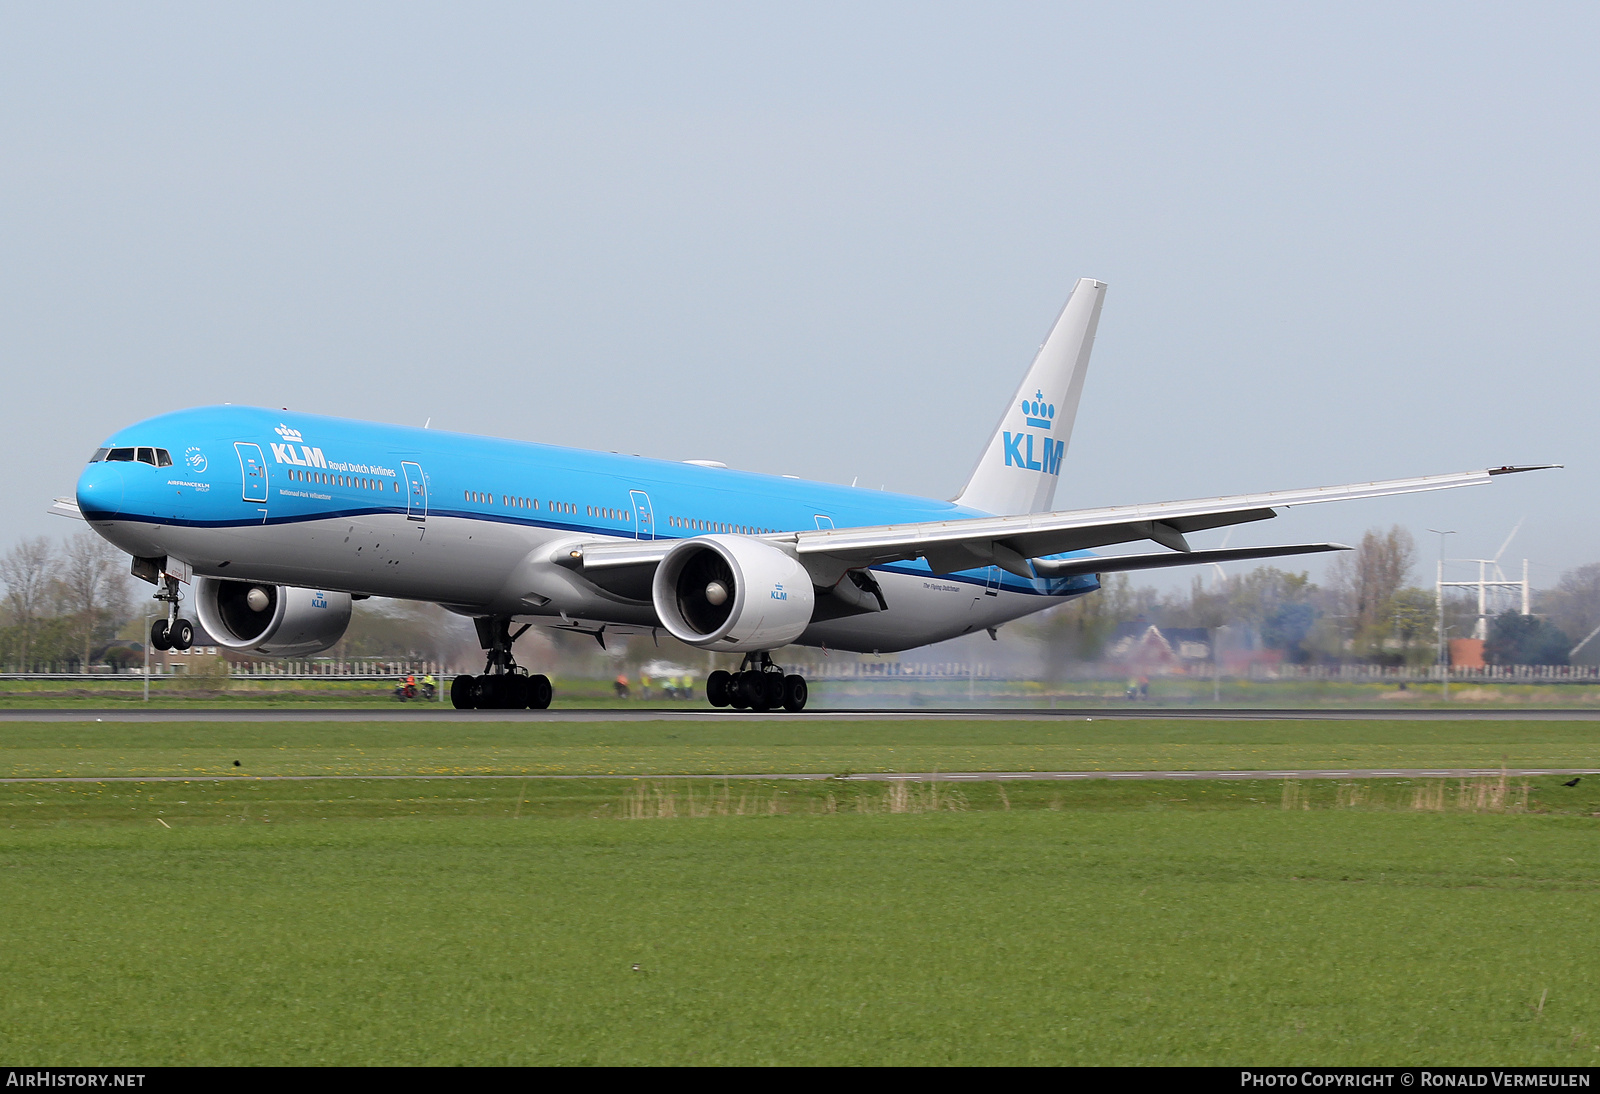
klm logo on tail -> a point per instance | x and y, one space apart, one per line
1038 412
1049 456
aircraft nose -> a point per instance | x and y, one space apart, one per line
100 490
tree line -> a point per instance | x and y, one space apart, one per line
1366 610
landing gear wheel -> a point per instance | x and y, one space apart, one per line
740 692
181 634
487 693
158 635
514 692
463 692
794 692
539 692
772 689
717 686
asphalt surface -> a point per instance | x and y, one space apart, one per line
694 714
890 776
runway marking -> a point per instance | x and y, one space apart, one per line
875 776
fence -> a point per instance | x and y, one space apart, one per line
246 670
929 670
1553 674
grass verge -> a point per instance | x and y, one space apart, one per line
528 921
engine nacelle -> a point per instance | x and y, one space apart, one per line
732 593
274 620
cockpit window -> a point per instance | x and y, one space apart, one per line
155 457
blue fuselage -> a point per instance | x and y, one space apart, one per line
468 521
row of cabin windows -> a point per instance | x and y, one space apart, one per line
322 478
517 503
155 457
717 526
614 514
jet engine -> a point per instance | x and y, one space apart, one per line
732 593
274 620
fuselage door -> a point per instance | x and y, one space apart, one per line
254 468
991 585
644 521
416 491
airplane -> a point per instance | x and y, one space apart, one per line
279 520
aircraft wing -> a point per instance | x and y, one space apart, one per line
1010 542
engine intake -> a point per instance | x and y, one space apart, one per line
732 593
273 620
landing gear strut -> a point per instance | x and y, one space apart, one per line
504 684
170 633
758 685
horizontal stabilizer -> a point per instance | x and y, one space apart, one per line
66 507
1072 567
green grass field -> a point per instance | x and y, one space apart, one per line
532 747
429 922
501 921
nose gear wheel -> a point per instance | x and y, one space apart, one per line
171 633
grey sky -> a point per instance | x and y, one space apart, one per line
1342 242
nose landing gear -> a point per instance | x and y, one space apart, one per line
758 685
504 684
170 633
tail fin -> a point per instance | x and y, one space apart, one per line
1018 470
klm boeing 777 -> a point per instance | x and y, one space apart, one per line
278 521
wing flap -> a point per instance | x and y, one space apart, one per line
1109 564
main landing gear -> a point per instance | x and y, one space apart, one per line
504 685
758 685
170 633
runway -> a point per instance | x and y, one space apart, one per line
708 714
883 776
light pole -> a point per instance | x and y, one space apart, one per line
149 619
1216 664
1438 595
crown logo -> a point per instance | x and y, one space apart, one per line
1038 412
288 434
